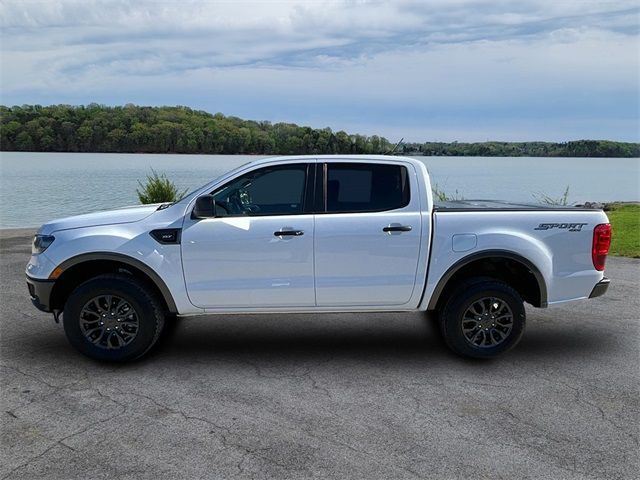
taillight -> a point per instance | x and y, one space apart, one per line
601 243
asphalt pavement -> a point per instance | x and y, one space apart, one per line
363 396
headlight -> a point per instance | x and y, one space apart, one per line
41 243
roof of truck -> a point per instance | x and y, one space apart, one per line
387 158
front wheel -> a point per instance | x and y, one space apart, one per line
113 317
483 318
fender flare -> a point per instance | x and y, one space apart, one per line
127 260
442 283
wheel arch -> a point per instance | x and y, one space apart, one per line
80 268
499 264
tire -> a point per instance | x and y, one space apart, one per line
113 318
483 318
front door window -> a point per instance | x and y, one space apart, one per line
275 190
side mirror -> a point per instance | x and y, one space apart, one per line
205 207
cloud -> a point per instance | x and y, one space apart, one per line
339 63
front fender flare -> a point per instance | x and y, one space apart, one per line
127 260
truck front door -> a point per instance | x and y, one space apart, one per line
258 251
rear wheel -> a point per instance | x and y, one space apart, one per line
483 318
113 318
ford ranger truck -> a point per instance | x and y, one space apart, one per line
311 234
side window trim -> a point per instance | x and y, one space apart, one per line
309 194
325 194
324 201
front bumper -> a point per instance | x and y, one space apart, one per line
600 288
40 292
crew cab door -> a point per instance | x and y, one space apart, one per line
367 240
258 251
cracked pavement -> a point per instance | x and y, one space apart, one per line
323 396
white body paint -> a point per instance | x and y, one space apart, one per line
343 262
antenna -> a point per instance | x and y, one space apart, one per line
390 152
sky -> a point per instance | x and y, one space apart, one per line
441 70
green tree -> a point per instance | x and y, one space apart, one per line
24 142
131 128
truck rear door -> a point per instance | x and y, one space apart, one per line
368 235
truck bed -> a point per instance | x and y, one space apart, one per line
556 239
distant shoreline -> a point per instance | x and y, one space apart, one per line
130 128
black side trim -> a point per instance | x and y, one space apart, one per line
601 288
488 254
118 257
310 189
40 292
318 190
167 236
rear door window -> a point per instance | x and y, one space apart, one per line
365 187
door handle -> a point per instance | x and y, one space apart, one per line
289 233
397 228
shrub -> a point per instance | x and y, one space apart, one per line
548 200
442 196
158 189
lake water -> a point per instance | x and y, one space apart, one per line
37 187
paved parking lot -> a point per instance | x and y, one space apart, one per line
324 396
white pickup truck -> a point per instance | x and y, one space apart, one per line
315 234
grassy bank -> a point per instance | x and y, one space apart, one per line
625 221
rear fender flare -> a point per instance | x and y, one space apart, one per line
489 254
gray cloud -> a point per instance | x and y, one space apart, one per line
149 37
482 59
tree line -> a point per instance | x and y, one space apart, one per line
137 129
577 148
134 129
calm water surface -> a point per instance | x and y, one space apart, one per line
37 187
